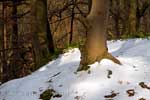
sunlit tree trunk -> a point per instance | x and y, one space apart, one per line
95 48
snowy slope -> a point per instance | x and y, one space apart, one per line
106 80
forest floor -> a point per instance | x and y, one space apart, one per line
105 80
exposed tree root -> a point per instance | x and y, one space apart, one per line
115 60
85 67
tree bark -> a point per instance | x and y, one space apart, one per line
1 48
72 22
95 48
41 25
5 68
42 41
132 17
50 39
15 66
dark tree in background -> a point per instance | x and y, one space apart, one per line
22 50
43 41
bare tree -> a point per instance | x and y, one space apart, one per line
95 48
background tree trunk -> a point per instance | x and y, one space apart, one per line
132 17
5 68
15 65
42 38
1 48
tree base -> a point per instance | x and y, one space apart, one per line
84 66
115 60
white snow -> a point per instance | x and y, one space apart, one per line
60 75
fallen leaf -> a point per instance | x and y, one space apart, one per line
112 95
34 92
142 99
57 96
78 98
120 82
131 92
109 73
143 85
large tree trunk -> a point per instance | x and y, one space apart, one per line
95 48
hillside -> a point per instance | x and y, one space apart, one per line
105 80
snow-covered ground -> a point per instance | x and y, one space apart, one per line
106 80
